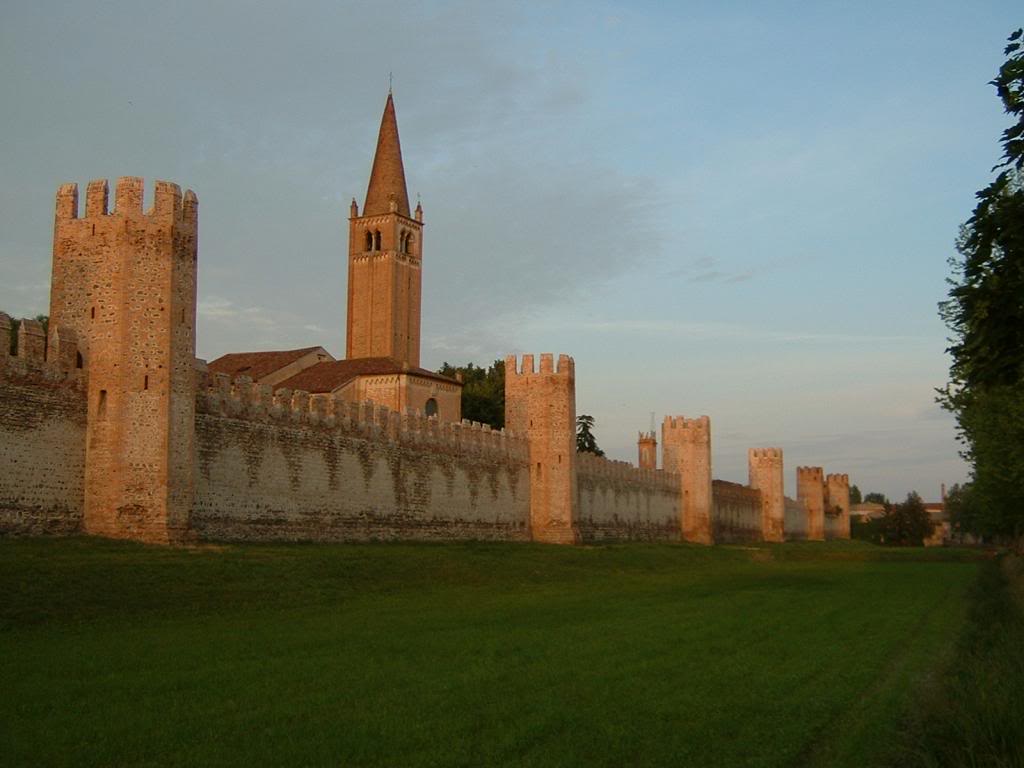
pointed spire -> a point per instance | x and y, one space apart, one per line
386 191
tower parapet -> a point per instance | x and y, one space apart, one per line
810 492
766 475
686 449
541 405
124 285
837 499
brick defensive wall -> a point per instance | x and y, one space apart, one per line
617 501
42 432
287 465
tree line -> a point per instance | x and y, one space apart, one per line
984 312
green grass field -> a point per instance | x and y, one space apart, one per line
468 654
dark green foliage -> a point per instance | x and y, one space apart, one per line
985 313
907 524
585 440
467 654
866 530
483 391
875 498
855 497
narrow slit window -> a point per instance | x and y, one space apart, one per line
145 381
101 407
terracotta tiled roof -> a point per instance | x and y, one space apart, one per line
387 179
257 364
328 376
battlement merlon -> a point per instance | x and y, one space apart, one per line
566 366
687 429
769 455
241 398
810 473
168 201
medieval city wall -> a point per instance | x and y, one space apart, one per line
42 441
735 512
796 520
290 466
617 501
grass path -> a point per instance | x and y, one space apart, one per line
466 654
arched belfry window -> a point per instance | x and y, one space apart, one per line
376 240
369 240
430 408
408 243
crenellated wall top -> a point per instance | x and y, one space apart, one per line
168 201
241 398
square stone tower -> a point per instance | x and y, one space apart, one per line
541 406
124 281
766 475
686 451
838 498
647 450
385 247
810 491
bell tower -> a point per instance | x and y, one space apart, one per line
384 251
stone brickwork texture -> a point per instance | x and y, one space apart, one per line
736 512
541 406
124 281
42 445
686 447
796 520
837 503
290 467
617 501
766 474
811 493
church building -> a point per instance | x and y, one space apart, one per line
382 350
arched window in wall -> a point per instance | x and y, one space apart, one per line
408 243
376 240
369 240
431 407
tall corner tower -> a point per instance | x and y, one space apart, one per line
384 259
541 405
124 281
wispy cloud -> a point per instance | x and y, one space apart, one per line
715 331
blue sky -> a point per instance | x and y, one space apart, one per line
735 209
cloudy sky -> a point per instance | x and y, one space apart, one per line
737 209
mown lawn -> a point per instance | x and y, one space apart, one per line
467 654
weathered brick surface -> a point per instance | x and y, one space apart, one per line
124 281
42 453
288 465
766 474
617 501
385 259
541 405
647 450
796 519
811 493
686 447
837 506
735 513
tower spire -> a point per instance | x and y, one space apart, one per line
387 178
